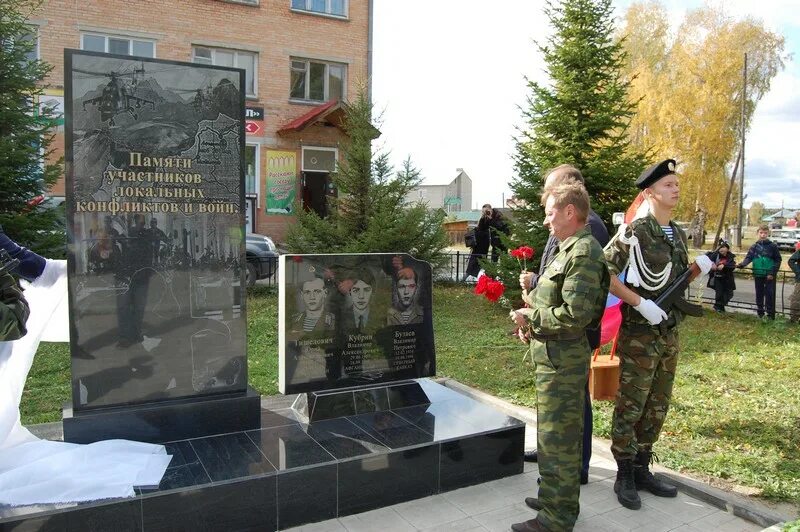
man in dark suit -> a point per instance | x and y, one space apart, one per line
557 176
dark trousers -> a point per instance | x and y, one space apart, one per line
765 296
721 294
587 432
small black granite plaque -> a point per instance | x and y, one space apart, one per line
354 320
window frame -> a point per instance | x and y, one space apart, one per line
257 180
107 36
326 86
326 13
236 52
319 148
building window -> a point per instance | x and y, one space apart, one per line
33 54
317 81
112 44
251 169
337 8
230 58
319 159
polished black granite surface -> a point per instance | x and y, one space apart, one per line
266 479
354 320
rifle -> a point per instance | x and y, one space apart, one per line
673 295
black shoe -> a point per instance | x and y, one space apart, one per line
645 480
529 526
625 486
533 503
531 456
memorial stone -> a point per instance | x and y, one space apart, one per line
155 203
354 320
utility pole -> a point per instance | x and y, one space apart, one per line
738 235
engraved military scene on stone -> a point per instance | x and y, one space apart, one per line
348 320
156 246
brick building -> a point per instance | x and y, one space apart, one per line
301 58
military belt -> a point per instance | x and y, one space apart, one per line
646 328
562 336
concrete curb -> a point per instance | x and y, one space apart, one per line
732 503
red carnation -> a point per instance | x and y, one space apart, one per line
483 283
494 290
526 252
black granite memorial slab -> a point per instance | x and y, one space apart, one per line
231 456
294 473
307 495
343 439
289 447
123 516
242 505
165 421
156 262
353 320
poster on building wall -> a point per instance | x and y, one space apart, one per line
281 181
154 190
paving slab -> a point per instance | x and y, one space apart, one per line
495 505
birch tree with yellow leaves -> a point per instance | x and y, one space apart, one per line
687 84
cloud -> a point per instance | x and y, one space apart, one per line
772 182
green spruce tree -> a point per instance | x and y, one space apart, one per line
25 136
580 118
370 214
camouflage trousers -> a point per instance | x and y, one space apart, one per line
648 361
794 303
562 368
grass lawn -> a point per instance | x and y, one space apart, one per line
735 416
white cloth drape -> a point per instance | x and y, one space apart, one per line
34 471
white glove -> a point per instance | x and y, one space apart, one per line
652 312
704 263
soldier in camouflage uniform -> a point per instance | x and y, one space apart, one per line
648 337
13 309
569 297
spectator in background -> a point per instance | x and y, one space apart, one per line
794 300
497 225
721 276
766 259
483 239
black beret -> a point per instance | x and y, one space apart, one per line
656 172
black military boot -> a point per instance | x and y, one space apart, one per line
625 486
646 481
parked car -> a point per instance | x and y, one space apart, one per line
785 238
262 258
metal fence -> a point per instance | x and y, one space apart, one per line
744 297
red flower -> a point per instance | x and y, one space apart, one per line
527 252
494 290
483 283
297 258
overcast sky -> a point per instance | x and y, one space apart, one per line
449 79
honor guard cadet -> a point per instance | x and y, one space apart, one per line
653 253
569 297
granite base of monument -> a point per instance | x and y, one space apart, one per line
290 472
165 421
329 404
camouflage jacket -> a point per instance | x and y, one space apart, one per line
13 309
571 293
657 251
